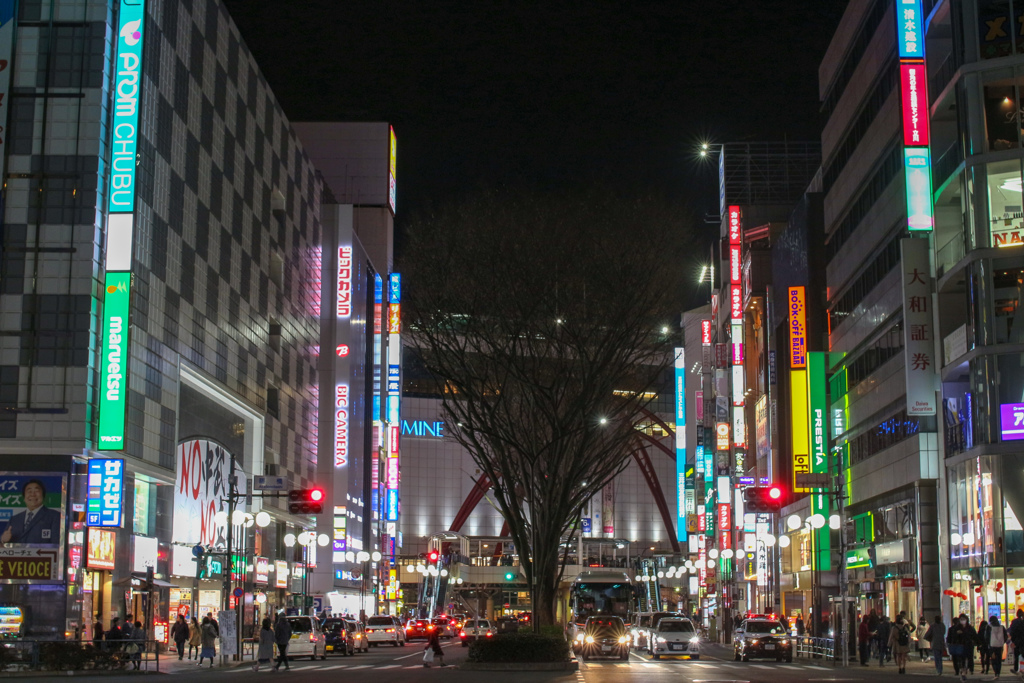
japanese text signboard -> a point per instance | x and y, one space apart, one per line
105 492
797 328
918 332
913 86
910 29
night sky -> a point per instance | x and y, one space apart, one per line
549 94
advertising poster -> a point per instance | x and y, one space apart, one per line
201 490
99 552
32 523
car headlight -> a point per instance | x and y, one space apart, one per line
784 642
754 641
623 640
589 639
579 637
694 640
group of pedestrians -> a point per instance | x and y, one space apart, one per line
962 641
279 633
891 640
127 640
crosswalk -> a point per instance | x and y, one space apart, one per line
327 666
677 666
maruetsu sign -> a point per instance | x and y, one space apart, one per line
114 362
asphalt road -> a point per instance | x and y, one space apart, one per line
404 665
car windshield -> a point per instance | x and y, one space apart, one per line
658 616
379 621
331 626
352 626
300 624
769 627
606 626
673 626
439 621
482 623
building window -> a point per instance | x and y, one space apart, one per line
1006 218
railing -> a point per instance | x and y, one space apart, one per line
71 655
815 648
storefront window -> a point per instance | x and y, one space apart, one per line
1002 114
1006 219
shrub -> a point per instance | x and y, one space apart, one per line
520 647
62 656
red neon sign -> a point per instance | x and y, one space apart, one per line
914 91
344 307
724 527
735 224
736 302
705 332
394 318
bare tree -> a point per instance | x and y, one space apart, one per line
549 324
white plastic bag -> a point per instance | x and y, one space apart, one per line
428 656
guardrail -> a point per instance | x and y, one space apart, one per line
815 648
71 655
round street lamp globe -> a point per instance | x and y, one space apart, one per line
661 575
817 520
769 540
955 538
834 522
375 556
793 522
444 572
410 569
261 598
713 553
289 540
262 519
238 518
969 538
727 553
783 541
221 517
323 540
637 578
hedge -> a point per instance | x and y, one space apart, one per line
520 647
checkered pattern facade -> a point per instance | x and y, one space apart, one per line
227 220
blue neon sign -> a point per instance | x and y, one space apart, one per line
392 505
125 126
395 288
105 493
910 29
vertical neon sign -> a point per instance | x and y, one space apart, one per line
681 484
124 135
394 388
914 101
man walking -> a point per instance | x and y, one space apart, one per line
282 636
1017 638
936 635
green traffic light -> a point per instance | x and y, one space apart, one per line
509 576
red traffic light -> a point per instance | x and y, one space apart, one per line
775 493
316 495
433 556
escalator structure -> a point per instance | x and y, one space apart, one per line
648 587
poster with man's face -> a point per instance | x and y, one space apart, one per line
32 526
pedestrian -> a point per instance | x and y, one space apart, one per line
936 635
97 633
266 645
899 642
1017 638
209 641
984 633
882 638
179 634
864 640
195 638
799 625
961 638
997 636
282 636
924 646
136 643
216 624
113 636
434 645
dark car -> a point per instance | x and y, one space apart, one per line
338 638
418 628
766 638
603 637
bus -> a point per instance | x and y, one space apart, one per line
601 592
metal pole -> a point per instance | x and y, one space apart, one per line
229 571
843 582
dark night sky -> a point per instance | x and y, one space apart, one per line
550 94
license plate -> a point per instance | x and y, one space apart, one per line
769 647
606 648
675 646
330 648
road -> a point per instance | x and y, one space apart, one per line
404 665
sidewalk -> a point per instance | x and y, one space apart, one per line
169 664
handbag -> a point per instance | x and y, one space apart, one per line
428 656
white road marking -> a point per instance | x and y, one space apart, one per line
361 666
761 666
336 666
389 666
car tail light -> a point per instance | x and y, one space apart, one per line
312 638
389 630
489 634
408 628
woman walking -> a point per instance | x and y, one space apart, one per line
997 637
961 639
899 642
266 646
434 644
209 641
195 638
983 638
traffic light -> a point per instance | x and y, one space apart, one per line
764 498
433 556
510 576
306 501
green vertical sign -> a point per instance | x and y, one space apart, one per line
818 422
114 362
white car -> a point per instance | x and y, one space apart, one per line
384 629
475 628
307 638
674 637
